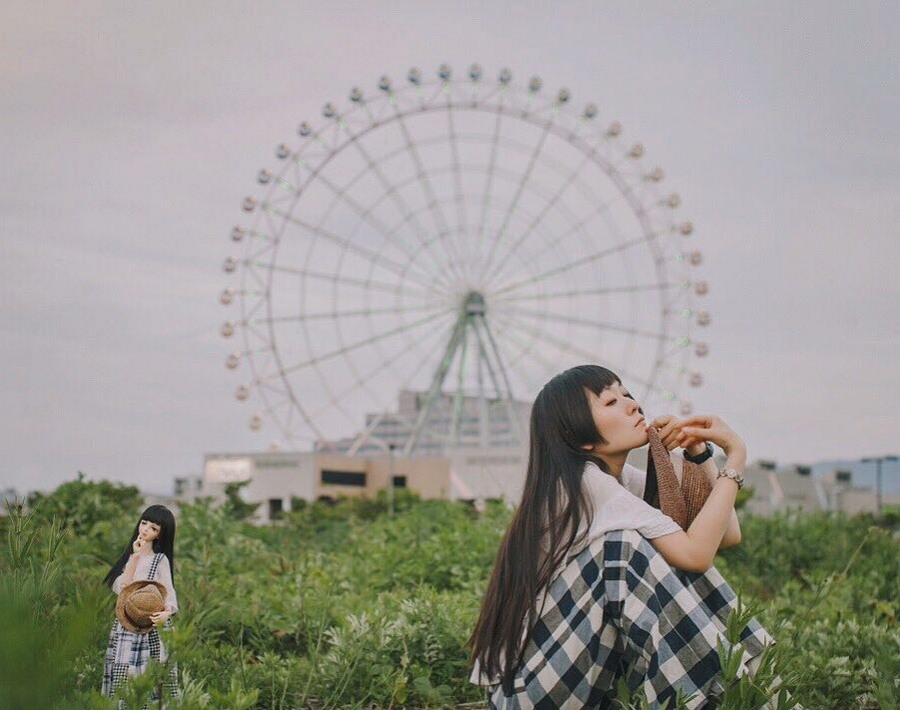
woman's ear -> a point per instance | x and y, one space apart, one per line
587 447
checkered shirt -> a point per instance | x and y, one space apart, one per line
619 610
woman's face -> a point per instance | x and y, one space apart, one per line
148 531
618 419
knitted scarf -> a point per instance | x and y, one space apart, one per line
680 502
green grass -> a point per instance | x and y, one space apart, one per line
345 606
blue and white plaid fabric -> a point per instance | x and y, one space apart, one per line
619 610
129 653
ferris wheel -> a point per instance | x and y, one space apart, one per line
463 240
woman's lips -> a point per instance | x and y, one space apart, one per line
639 422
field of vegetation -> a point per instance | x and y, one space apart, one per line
345 605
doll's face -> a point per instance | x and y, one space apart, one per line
148 531
619 420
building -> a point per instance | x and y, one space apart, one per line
845 495
461 448
449 423
275 478
465 448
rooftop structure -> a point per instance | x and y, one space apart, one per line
448 423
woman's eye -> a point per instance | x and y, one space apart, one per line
610 403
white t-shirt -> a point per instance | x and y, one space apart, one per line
617 505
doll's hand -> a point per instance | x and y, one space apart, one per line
160 617
137 545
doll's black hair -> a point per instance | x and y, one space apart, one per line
164 542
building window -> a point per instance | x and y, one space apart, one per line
399 481
343 478
276 508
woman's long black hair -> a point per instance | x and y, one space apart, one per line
552 508
164 542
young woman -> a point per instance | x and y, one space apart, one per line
591 584
149 555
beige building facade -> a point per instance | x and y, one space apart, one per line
472 474
273 479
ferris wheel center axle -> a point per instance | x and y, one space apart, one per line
474 304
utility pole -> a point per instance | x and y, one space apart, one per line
878 461
390 490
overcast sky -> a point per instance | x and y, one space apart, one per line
131 131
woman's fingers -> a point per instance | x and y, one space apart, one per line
694 434
660 422
692 430
666 426
699 420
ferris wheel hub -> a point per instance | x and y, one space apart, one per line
474 304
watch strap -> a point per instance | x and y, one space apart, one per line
699 458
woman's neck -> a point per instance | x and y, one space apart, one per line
614 463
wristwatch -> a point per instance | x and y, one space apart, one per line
699 458
733 475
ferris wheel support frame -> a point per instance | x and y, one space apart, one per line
470 318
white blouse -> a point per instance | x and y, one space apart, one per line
617 505
163 576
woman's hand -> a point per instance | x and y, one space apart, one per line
708 427
667 426
160 617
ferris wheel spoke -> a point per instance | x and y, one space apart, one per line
499 234
385 364
364 284
587 292
293 405
367 216
595 256
553 244
489 182
529 230
440 220
461 218
525 349
439 281
387 264
398 200
367 341
587 357
572 320
330 315
443 227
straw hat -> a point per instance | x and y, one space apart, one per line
680 502
137 601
